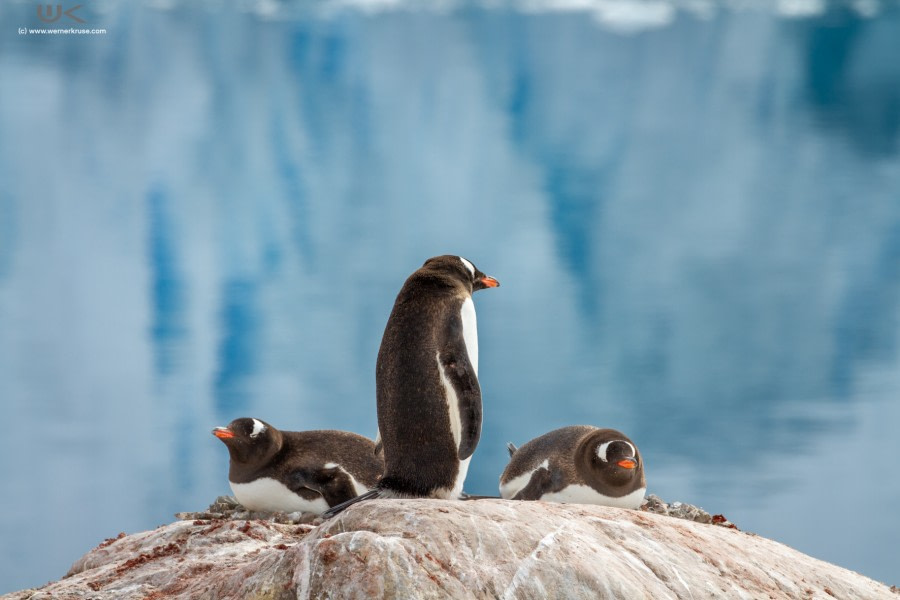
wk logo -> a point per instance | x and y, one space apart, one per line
50 17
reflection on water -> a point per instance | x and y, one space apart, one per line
207 215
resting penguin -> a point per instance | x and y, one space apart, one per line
426 383
580 464
287 471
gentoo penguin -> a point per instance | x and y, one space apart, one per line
426 383
287 471
580 464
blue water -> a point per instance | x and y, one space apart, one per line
695 217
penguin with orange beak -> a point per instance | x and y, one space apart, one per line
426 383
286 471
578 464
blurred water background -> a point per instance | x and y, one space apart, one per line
693 208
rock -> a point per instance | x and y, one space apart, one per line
453 549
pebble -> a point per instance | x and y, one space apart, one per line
228 508
682 510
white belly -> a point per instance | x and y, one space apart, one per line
460 479
583 494
269 495
470 331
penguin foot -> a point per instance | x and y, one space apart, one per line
465 496
370 495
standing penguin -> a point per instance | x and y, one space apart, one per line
286 471
580 464
426 380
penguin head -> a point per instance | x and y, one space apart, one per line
249 440
460 270
613 458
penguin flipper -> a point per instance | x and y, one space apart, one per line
540 483
333 483
370 495
511 448
458 370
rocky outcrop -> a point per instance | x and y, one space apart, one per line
446 549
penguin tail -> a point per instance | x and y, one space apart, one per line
512 448
370 495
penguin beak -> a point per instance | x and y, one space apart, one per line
223 433
627 463
489 281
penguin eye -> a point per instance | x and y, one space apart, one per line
621 448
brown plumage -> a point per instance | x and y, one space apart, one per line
581 464
311 464
426 380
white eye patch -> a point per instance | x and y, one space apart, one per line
258 428
468 265
601 449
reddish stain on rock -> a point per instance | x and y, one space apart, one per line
109 541
329 554
723 522
247 529
143 557
214 525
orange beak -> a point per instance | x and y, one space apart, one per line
627 463
489 281
223 433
